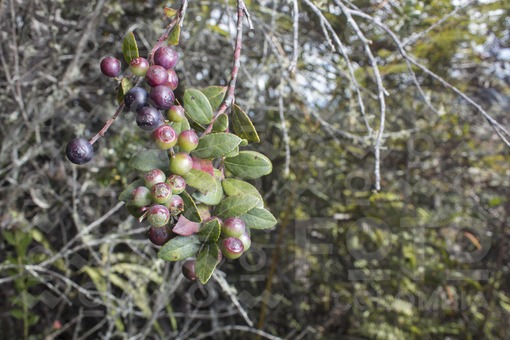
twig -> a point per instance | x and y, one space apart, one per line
227 289
107 125
285 133
295 27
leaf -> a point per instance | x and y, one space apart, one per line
258 218
124 87
181 126
200 180
221 123
149 159
129 47
173 37
233 187
206 262
216 145
242 125
170 12
126 194
210 231
179 248
185 227
236 205
233 153
203 165
190 208
215 95
249 165
197 106
213 197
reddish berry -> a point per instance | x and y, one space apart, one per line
161 192
139 66
188 270
154 176
233 226
160 235
110 66
162 97
173 80
158 215
166 57
232 247
164 137
156 75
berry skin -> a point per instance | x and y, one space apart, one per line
232 247
154 176
175 205
180 163
141 197
162 97
173 80
164 137
233 227
158 215
136 98
188 270
166 57
139 66
246 240
110 66
156 75
79 151
176 113
148 118
177 183
161 192
160 235
188 140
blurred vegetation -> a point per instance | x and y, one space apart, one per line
425 258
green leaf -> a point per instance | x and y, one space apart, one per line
215 95
249 165
125 195
181 126
258 218
200 180
170 12
206 262
149 159
221 123
212 197
197 106
129 47
179 248
124 87
173 37
233 153
210 231
242 125
190 208
236 205
233 187
216 145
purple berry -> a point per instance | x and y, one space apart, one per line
154 176
136 98
148 118
232 247
110 66
141 197
158 215
164 137
161 192
173 80
188 140
156 75
176 113
162 97
79 151
177 183
139 66
188 270
166 57
180 163
233 227
160 235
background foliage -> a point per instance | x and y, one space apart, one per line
425 257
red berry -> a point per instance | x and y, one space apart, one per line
110 66
232 247
164 137
188 270
173 80
162 97
233 227
156 75
160 235
166 57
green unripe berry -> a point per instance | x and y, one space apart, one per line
233 227
139 66
154 176
158 215
161 192
188 140
181 163
164 137
176 113
232 247
141 197
175 205
246 240
177 183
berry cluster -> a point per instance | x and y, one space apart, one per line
192 191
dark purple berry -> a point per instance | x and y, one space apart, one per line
164 137
176 113
79 151
110 66
233 227
160 235
141 197
232 247
166 57
175 204
188 270
158 215
148 118
180 163
177 183
136 98
139 66
188 140
162 97
156 75
161 192
153 176
173 80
